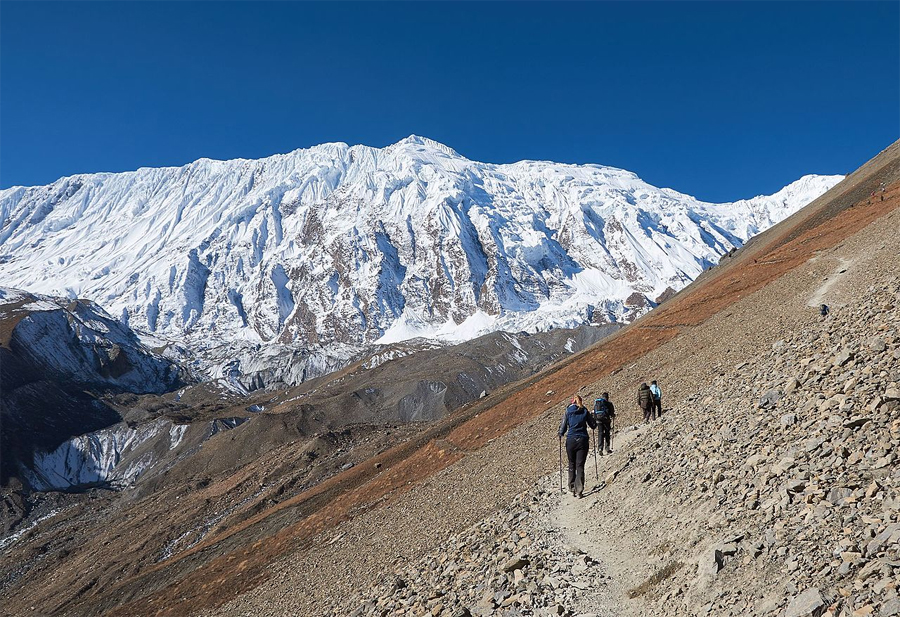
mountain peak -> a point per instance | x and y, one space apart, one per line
417 141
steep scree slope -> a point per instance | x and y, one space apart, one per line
773 488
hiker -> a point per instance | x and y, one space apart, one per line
574 425
823 310
645 401
657 399
604 413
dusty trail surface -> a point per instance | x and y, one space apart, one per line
544 553
592 525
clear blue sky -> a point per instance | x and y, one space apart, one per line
720 100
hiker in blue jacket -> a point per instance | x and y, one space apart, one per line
657 400
574 426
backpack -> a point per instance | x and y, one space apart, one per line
601 408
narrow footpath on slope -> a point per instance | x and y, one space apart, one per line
546 553
586 526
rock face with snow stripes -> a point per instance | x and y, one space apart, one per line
59 360
77 343
338 245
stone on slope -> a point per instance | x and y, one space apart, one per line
808 603
769 398
515 563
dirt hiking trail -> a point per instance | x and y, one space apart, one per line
821 295
585 527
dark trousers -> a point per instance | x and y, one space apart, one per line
577 451
657 408
648 412
605 426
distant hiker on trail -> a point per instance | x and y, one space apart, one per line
574 425
657 399
604 413
645 401
824 310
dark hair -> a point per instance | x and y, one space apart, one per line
606 395
653 382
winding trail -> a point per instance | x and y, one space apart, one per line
821 293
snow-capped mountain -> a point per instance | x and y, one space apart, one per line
341 246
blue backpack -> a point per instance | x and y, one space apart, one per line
601 408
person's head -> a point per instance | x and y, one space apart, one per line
653 382
606 395
576 400
644 385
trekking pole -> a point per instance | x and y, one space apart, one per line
596 456
562 488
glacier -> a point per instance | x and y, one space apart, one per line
332 249
117 456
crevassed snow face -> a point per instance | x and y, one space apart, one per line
339 244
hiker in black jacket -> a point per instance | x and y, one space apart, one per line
604 413
645 401
574 426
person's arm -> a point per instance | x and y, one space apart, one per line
591 420
564 425
612 408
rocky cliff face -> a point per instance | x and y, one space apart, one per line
336 247
76 342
